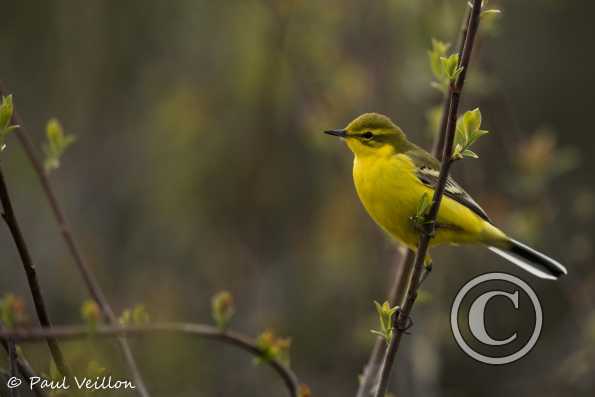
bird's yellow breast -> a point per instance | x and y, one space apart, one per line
390 191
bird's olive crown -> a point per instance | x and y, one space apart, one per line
374 127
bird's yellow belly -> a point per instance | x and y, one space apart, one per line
390 192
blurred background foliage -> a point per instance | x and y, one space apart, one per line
199 165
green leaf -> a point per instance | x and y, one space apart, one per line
378 333
138 315
55 132
91 314
6 110
386 315
423 205
12 310
450 66
456 153
378 308
57 143
6 113
273 347
467 132
471 120
439 49
461 136
222 308
470 153
491 12
475 135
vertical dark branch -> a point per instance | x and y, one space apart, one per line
448 132
404 264
40 308
88 277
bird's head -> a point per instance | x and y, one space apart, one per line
372 134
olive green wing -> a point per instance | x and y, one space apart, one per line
428 172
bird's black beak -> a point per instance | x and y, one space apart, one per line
339 133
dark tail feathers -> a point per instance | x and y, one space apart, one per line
531 260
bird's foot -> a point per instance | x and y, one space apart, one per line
429 227
423 226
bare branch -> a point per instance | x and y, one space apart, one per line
403 267
12 362
89 278
22 364
448 132
40 307
201 330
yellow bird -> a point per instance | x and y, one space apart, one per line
391 175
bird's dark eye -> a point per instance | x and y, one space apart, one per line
367 135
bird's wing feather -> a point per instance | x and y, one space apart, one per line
428 172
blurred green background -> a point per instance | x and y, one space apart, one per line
200 166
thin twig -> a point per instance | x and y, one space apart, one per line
201 330
89 278
439 142
23 366
449 132
40 307
12 363
369 379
